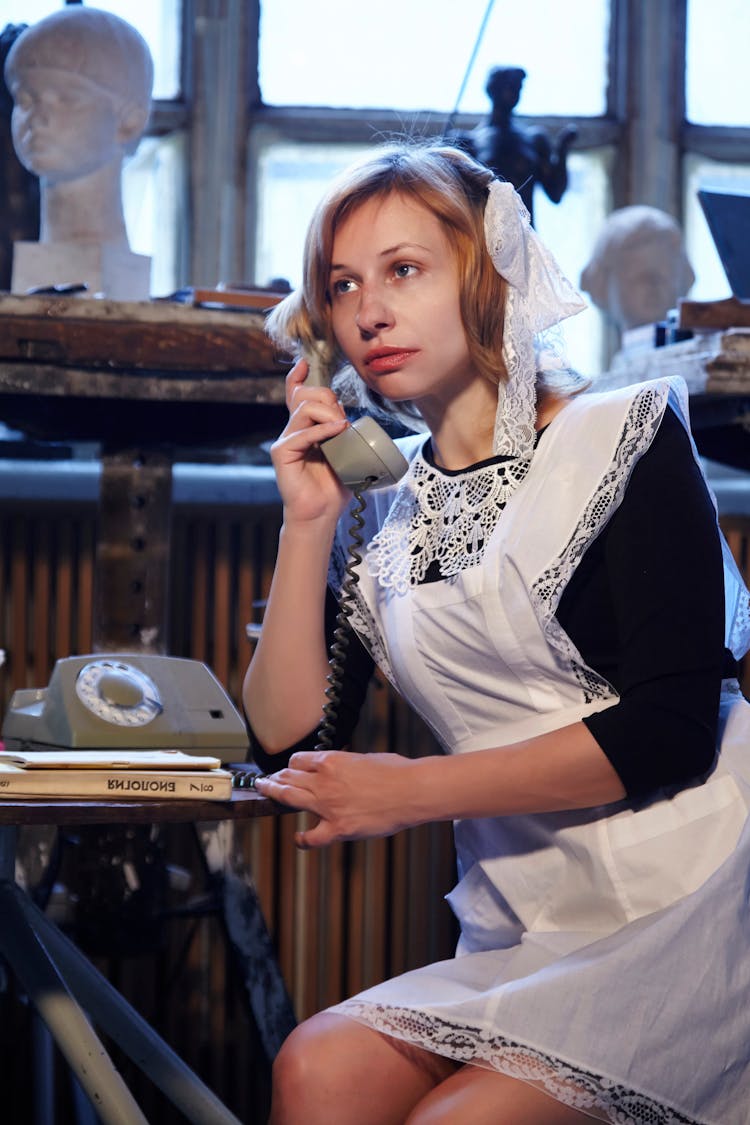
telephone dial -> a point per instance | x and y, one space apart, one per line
128 700
363 455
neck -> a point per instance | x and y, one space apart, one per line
500 115
88 209
548 407
462 430
462 435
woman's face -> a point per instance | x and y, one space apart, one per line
394 294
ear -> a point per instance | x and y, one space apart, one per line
132 124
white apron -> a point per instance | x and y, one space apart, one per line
604 953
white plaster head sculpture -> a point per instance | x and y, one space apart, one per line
639 267
81 83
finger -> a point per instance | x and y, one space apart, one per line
297 385
314 434
276 790
319 836
289 787
309 759
294 379
310 409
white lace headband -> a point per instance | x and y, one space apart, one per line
539 295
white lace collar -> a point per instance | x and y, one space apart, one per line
443 518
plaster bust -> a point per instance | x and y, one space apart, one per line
638 268
81 82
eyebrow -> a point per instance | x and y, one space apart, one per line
389 251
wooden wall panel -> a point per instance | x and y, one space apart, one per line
341 919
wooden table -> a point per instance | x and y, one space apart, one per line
63 984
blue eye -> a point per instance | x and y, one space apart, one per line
404 269
343 286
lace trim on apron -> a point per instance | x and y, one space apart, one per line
638 432
571 1085
450 519
441 519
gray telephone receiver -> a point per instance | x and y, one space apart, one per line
363 453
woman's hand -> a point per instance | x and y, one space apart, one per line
309 488
353 795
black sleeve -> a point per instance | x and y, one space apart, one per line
357 671
646 610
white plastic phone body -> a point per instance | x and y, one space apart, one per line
363 453
128 700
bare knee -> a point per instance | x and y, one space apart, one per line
334 1071
307 1060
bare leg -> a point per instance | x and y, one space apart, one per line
485 1097
334 1071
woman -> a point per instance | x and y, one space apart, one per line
545 587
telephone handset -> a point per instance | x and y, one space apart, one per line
364 454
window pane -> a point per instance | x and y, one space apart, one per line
154 200
570 229
717 76
26 11
406 56
159 22
711 281
292 178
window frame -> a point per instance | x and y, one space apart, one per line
644 123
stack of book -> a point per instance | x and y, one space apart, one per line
117 774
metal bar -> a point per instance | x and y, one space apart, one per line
128 1029
27 956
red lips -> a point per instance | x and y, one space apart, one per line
381 360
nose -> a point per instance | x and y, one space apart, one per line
374 314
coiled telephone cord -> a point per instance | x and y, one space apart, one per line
343 631
244 777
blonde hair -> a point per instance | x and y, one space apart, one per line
452 186
449 184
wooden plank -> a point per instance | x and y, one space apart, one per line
41 599
63 608
86 587
222 631
333 923
134 335
22 644
199 541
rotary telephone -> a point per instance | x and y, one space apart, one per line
128 700
363 456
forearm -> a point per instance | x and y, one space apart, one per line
565 769
361 795
285 683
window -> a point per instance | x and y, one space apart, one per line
717 127
717 75
412 58
324 56
259 101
